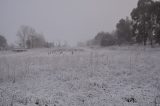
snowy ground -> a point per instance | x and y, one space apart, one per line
114 76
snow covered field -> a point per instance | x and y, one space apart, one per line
114 76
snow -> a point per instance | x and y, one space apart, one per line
113 76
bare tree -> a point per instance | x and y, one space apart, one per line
24 33
29 38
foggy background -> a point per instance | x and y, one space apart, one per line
68 21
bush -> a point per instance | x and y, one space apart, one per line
108 40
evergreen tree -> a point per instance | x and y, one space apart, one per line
3 42
124 31
142 21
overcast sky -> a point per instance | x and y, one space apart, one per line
63 20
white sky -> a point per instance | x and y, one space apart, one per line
63 20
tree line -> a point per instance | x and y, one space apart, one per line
27 38
142 28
